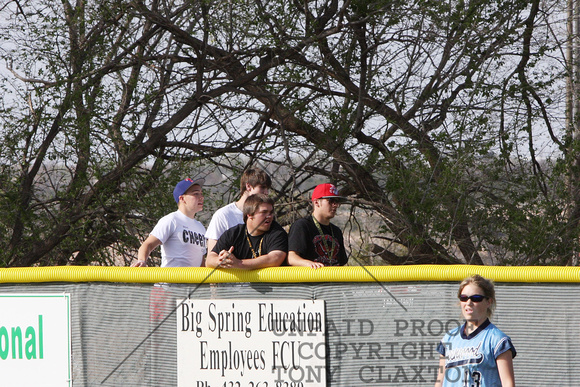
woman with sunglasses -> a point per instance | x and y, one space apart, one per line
477 354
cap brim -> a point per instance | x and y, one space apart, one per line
342 198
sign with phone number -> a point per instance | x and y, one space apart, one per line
251 343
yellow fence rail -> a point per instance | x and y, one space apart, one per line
289 274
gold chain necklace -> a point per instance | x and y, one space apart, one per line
251 248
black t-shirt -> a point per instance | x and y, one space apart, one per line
305 239
274 239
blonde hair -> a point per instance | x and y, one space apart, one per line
486 285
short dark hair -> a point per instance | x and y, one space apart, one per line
254 177
253 202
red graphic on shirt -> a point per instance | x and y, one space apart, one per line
327 258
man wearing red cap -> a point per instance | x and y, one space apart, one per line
182 238
314 241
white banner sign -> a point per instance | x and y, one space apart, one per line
251 343
35 347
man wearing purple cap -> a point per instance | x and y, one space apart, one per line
314 241
182 238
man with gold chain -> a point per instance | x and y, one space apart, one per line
253 180
257 243
314 241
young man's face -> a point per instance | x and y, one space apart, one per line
327 207
261 189
193 198
261 221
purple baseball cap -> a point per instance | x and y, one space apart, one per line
184 185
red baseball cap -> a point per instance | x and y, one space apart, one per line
324 191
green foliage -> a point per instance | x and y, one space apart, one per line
431 115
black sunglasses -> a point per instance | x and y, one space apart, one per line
474 298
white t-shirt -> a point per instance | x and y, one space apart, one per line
183 240
224 219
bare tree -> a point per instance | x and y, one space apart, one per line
426 114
